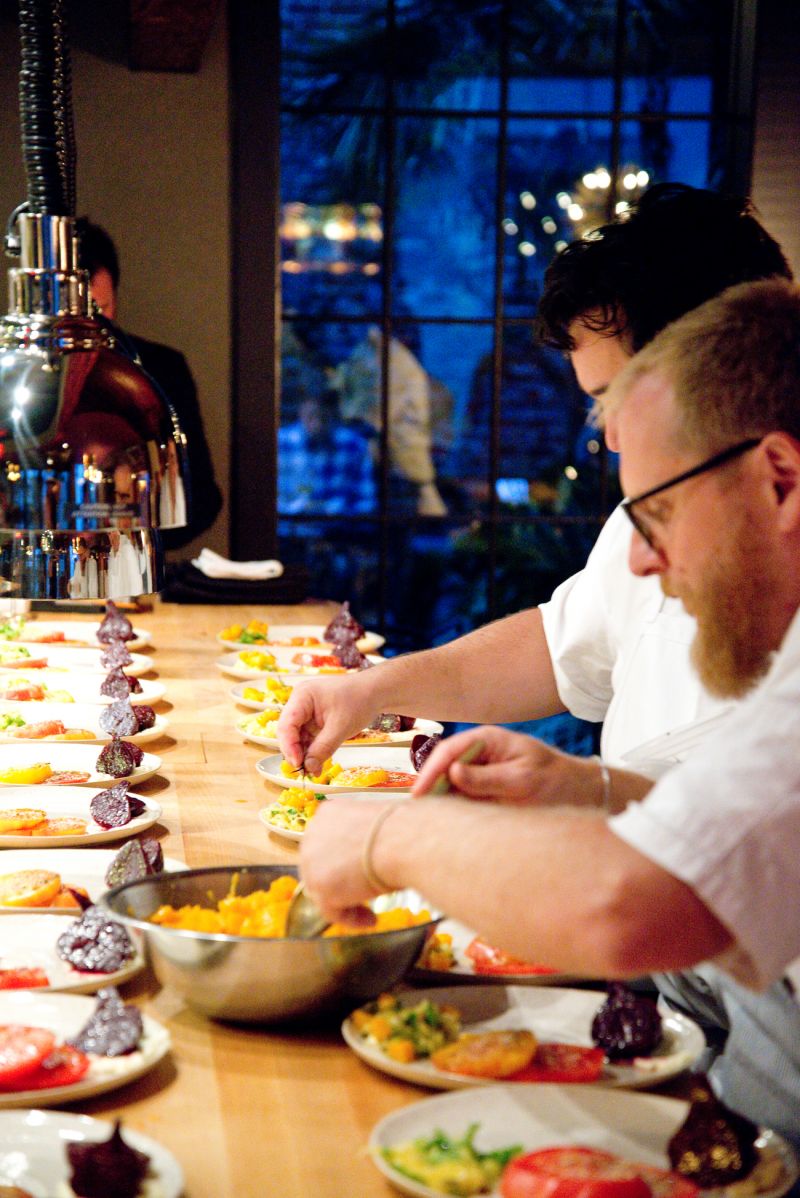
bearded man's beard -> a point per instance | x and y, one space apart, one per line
731 650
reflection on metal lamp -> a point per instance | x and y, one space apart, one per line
90 449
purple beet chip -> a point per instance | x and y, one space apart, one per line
112 808
421 748
115 655
119 718
113 1029
153 853
108 1167
117 685
95 943
145 716
344 627
119 758
351 656
115 626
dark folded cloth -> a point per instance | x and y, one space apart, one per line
186 584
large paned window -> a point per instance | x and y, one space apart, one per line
434 464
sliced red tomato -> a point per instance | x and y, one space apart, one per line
40 730
51 638
319 661
398 778
24 694
487 959
67 778
29 663
22 979
63 1066
22 1050
562 1063
574 1172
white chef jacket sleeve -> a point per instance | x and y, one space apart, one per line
578 624
727 823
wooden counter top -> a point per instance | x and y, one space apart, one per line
249 1112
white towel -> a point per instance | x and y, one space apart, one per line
214 566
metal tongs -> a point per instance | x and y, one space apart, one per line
304 920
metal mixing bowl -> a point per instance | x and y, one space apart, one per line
253 979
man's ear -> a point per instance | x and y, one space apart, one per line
782 452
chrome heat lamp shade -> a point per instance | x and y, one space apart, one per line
92 457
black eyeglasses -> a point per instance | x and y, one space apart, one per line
639 522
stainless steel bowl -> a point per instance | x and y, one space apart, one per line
256 980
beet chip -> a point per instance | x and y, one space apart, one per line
119 758
421 748
115 655
145 716
113 1029
112 808
117 685
119 718
343 628
154 854
95 943
115 626
351 656
110 1167
134 861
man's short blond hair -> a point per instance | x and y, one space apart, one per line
733 365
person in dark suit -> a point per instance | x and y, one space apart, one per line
170 370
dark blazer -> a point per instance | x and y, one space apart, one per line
171 371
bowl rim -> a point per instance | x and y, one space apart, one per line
146 925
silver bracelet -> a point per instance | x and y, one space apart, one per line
605 775
368 869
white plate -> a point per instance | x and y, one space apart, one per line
77 867
29 942
421 727
232 665
65 1014
392 758
70 757
33 1150
289 834
83 688
553 1015
464 970
69 800
81 634
637 1127
81 661
282 635
71 715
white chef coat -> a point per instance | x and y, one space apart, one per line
727 822
620 649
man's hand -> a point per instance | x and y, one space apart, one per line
331 856
511 768
319 715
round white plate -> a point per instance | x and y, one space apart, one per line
29 942
637 1127
464 970
70 757
77 867
65 1014
79 634
391 758
282 635
33 1150
69 800
421 727
82 688
232 665
269 704
553 1015
80 661
72 715
276 829
289 834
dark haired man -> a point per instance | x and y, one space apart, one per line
170 370
607 646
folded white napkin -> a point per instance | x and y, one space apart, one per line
214 566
